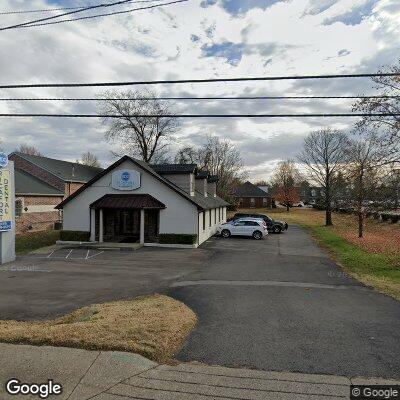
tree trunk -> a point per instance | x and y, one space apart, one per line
287 207
328 217
328 211
360 223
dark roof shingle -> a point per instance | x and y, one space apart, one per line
67 171
27 184
174 168
249 190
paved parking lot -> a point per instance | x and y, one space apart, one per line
48 285
70 254
277 304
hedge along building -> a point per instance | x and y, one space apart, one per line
132 201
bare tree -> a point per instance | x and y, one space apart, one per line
137 123
187 155
388 127
286 178
368 168
29 149
219 157
89 159
262 182
324 154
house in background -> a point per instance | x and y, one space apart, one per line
251 196
41 183
311 194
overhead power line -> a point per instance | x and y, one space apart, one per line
205 115
34 23
210 80
44 10
199 98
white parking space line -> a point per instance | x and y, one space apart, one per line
94 255
69 253
55 255
50 254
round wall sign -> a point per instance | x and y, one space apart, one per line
3 159
125 176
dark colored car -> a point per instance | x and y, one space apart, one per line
272 225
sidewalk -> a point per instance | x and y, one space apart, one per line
123 376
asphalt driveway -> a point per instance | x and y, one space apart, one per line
283 305
278 304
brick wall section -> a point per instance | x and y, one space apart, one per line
40 200
38 172
37 221
258 202
71 187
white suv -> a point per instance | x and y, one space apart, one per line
254 227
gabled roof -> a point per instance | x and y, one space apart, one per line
196 200
249 190
65 170
174 168
26 184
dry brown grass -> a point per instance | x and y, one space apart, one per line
153 326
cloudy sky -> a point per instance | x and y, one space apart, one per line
197 39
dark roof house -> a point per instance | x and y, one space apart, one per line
251 196
249 190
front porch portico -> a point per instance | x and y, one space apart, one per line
125 218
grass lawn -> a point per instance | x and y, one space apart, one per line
374 259
31 241
153 326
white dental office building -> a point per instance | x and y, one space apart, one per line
131 201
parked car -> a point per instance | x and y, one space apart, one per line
254 227
272 224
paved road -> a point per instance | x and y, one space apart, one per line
283 305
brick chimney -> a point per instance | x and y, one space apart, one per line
201 182
212 185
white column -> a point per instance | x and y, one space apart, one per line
92 225
142 226
101 226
